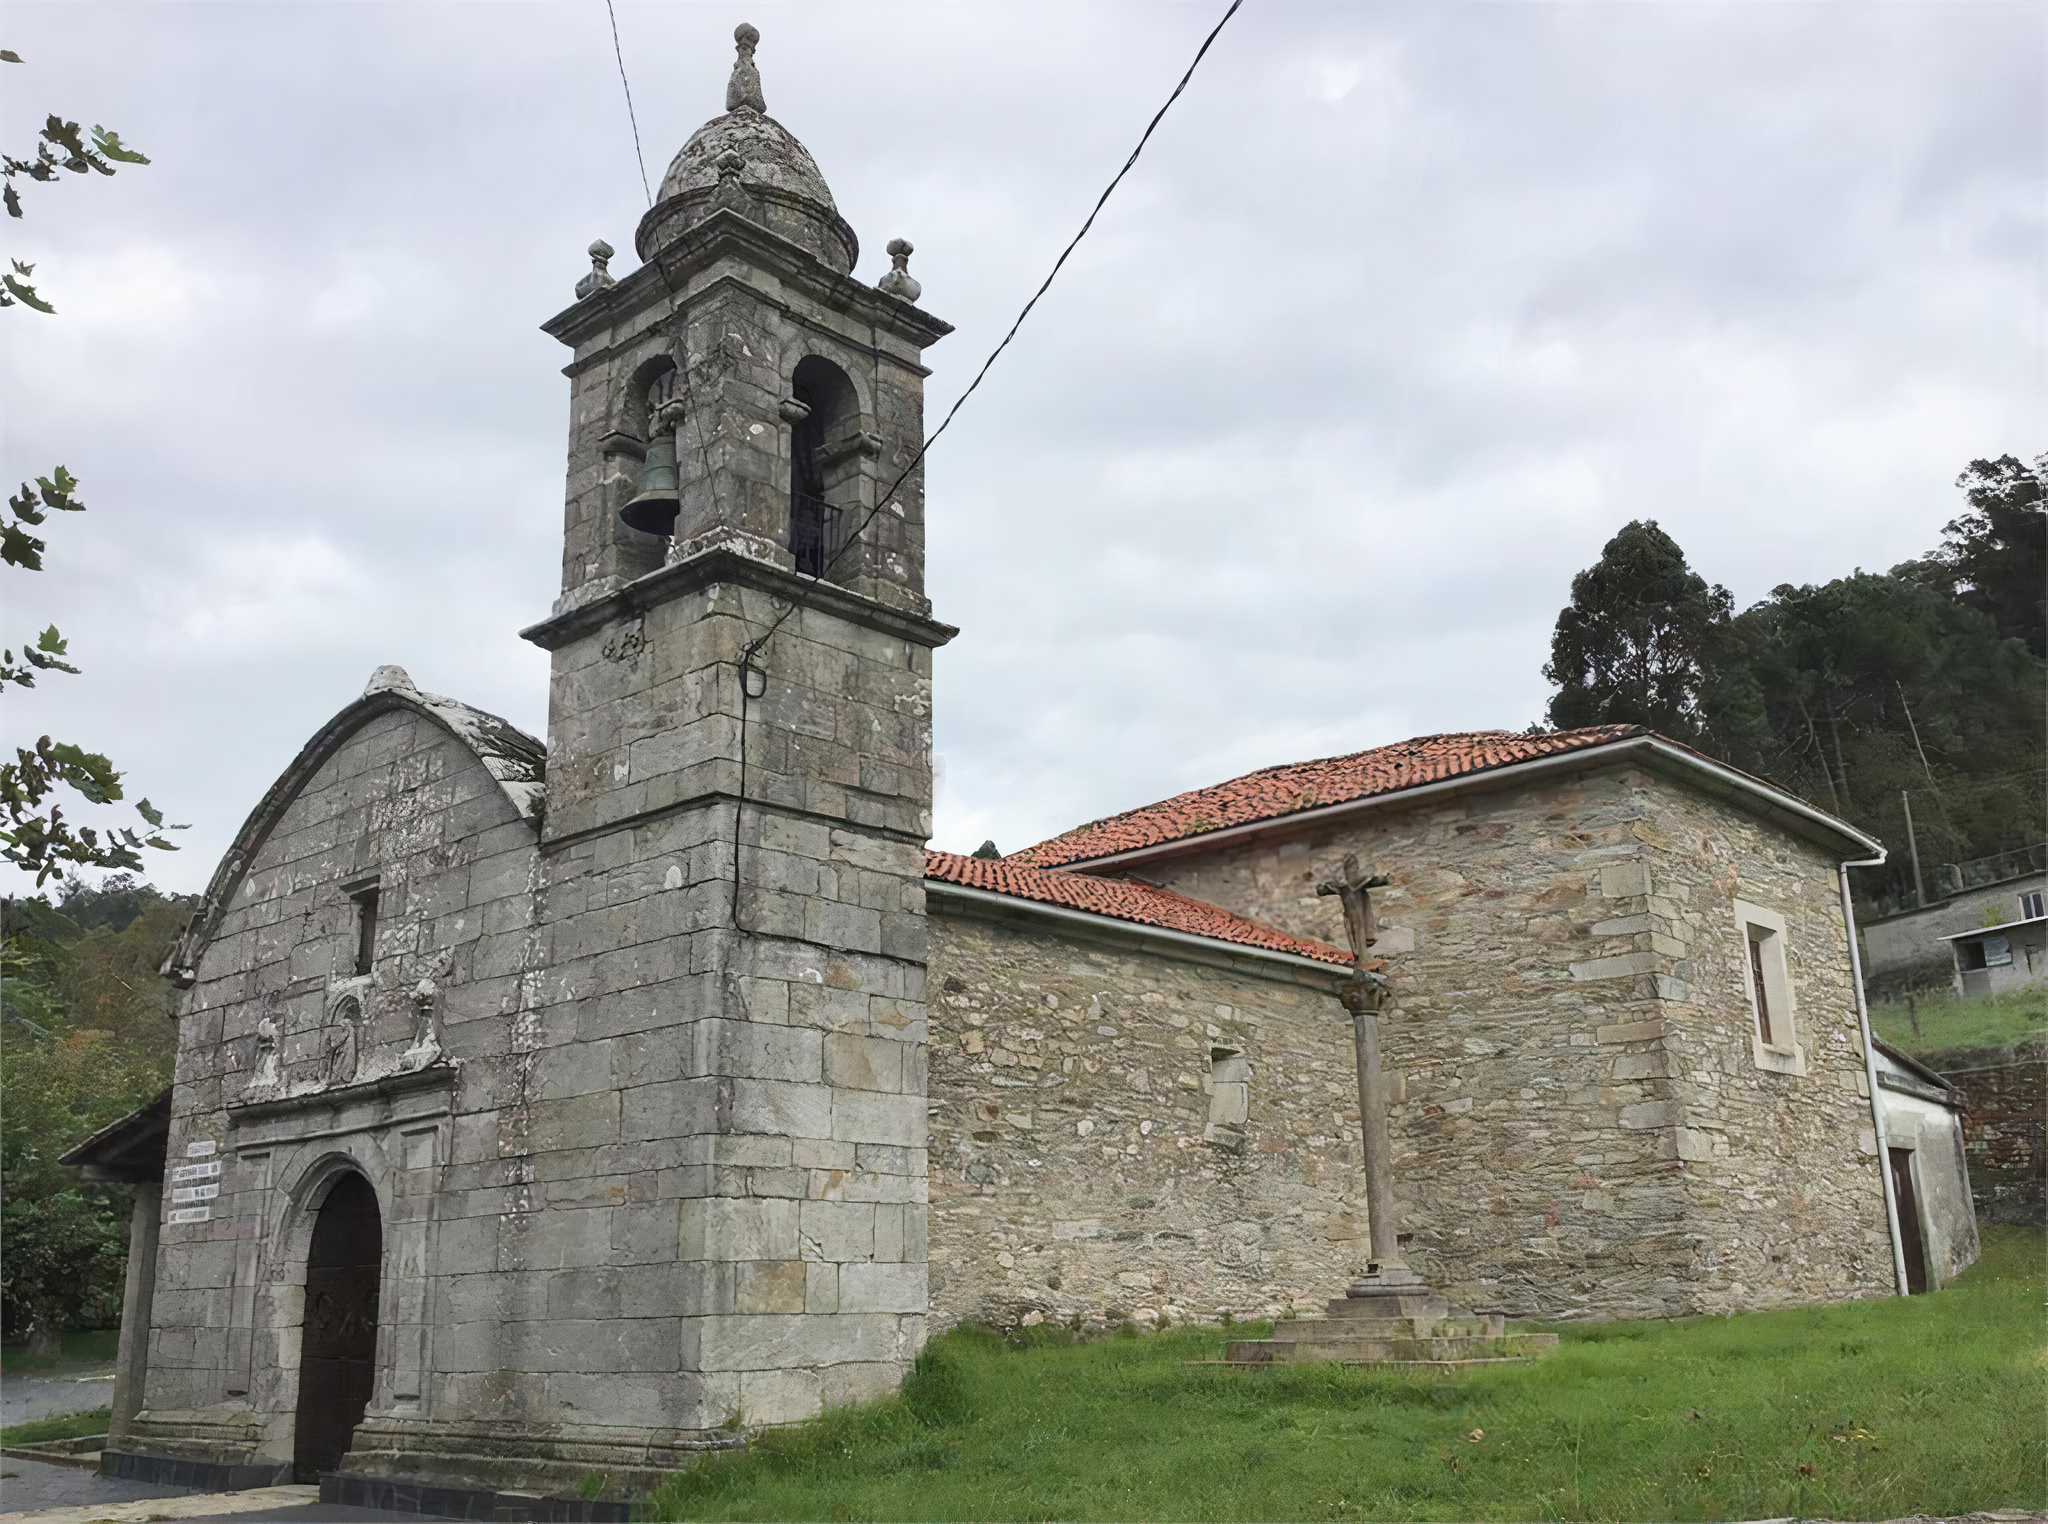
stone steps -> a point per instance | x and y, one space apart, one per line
1392 1317
1322 1330
1421 1350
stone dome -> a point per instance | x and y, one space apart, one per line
750 163
770 150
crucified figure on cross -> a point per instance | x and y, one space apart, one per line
1363 996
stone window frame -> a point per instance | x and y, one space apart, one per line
1229 1083
363 895
1784 1054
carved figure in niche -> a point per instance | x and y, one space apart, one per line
266 1076
345 1045
426 1025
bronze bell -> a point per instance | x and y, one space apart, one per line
654 507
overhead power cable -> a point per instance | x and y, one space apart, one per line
753 648
945 423
620 54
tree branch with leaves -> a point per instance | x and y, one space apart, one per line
34 835
61 145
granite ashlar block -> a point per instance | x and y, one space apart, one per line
741 1342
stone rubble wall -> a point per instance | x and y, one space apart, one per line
1077 1175
1586 1128
2007 1091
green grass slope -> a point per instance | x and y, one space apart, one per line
1947 1022
57 1426
1867 1410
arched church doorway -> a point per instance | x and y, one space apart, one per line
338 1346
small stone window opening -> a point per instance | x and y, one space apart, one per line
1759 991
1767 982
364 897
1230 1098
2031 905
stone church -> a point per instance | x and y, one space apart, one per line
548 1108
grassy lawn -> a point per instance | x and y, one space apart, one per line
1984 1021
1869 1410
94 1346
58 1426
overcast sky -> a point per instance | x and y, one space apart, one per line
1408 307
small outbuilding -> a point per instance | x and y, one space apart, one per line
1930 1174
1989 960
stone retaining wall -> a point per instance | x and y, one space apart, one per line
2003 1128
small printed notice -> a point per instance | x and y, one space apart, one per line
207 1171
201 1149
190 1193
191 1214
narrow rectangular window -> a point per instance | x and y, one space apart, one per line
366 929
1756 983
1230 1098
2030 906
1767 980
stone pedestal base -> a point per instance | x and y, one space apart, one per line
1391 1317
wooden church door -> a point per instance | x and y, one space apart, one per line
338 1348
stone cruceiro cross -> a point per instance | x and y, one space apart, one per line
1363 997
1388 1314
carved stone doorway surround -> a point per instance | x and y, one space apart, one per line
392 1137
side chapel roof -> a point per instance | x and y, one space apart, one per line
129 1148
1122 900
1294 788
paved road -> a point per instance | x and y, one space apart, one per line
44 1494
26 1484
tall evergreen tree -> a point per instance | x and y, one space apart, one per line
1631 647
1996 555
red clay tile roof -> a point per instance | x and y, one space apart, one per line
1275 791
1123 900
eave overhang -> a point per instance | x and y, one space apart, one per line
1260 962
726 234
723 565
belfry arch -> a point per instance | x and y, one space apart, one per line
824 463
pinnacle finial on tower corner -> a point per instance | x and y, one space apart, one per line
745 86
898 281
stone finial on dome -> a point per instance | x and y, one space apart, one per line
898 281
744 89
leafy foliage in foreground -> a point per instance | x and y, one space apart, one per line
1865 1410
34 835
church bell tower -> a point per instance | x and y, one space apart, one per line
738 785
